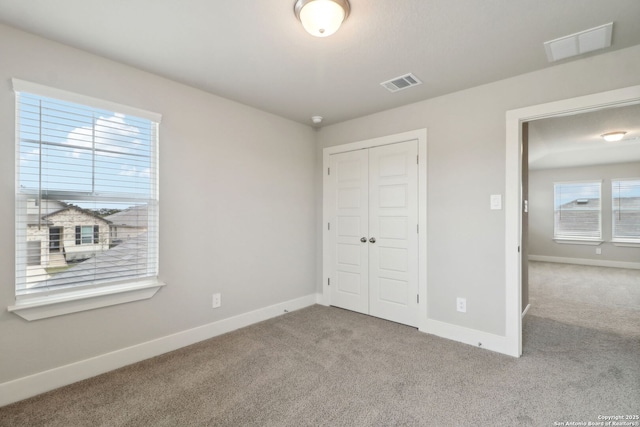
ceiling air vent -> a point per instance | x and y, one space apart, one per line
579 43
402 82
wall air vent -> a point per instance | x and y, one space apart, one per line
402 82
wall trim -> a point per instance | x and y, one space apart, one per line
32 385
469 336
586 261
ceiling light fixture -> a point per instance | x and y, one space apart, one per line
613 136
321 18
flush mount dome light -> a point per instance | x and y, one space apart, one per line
321 18
613 136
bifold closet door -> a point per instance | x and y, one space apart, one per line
375 243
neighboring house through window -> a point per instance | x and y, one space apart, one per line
79 163
34 250
577 211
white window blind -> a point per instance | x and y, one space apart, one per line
577 213
86 193
626 209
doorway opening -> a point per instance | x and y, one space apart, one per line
581 220
514 202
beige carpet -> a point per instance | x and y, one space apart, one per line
329 367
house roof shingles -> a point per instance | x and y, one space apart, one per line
125 261
133 217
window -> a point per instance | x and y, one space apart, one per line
87 234
577 214
625 205
83 167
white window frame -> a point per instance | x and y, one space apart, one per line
57 302
571 239
620 241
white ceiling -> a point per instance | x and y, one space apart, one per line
257 53
575 140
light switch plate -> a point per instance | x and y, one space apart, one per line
496 201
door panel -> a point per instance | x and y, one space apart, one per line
392 259
350 284
393 228
393 291
393 219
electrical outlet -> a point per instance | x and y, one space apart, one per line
217 302
598 251
461 305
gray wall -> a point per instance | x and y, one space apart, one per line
466 164
541 212
237 209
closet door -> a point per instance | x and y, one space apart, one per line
374 235
350 259
393 232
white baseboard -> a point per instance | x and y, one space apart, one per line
497 343
526 309
32 385
585 261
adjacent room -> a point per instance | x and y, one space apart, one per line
583 194
319 212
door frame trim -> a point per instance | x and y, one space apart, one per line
513 196
421 136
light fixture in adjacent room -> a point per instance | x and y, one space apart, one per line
613 136
321 18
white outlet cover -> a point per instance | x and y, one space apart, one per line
461 305
216 301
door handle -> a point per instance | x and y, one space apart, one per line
363 239
372 240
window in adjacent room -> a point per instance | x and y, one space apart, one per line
577 211
83 166
626 210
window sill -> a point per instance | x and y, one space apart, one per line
42 307
626 243
578 242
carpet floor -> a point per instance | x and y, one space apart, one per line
323 366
